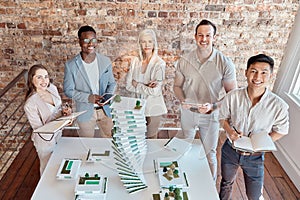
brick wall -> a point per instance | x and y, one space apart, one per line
45 31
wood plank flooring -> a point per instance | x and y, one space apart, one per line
22 177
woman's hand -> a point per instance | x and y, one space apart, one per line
134 83
205 108
152 84
66 109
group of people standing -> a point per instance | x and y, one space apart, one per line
205 84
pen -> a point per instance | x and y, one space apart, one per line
87 157
236 131
104 187
168 142
154 162
249 134
186 182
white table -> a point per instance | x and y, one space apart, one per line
194 163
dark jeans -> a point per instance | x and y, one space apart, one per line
253 170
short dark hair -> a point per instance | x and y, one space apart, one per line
85 29
261 58
206 22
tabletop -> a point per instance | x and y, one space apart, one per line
193 163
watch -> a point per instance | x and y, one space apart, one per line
215 106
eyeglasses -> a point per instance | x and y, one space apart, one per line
87 41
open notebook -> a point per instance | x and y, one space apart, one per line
255 143
57 124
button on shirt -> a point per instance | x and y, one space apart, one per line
269 114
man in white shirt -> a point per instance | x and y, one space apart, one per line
88 76
202 79
250 110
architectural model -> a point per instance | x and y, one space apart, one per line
129 141
170 174
97 156
68 169
91 186
171 193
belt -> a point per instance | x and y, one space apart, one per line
195 110
243 153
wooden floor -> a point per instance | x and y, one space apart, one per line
22 177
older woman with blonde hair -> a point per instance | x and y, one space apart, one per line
145 80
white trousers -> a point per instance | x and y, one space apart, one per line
44 145
208 125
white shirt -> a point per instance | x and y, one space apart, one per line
93 75
269 114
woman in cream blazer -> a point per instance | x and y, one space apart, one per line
145 80
43 104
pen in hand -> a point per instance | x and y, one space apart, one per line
249 134
239 135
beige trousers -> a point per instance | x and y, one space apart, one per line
153 123
99 118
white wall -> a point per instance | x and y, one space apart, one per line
289 146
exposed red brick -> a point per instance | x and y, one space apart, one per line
6 56
101 26
215 8
11 25
111 13
81 12
107 33
46 32
52 32
152 14
131 12
2 11
32 32
173 14
163 14
193 14
8 51
21 26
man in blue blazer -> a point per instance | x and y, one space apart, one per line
88 76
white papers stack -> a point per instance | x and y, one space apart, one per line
129 141
68 169
91 186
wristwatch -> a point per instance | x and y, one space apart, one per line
215 106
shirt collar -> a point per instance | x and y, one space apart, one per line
211 57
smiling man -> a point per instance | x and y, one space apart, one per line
203 77
256 110
88 76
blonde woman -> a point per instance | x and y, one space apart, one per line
145 79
